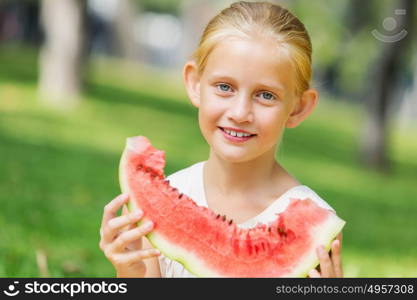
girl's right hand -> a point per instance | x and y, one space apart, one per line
121 239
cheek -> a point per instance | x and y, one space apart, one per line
207 119
210 111
272 123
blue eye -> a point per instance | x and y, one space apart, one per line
223 87
267 96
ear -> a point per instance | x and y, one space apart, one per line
303 108
192 82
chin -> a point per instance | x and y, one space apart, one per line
233 156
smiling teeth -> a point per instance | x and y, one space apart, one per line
238 134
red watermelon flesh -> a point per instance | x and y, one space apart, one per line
209 245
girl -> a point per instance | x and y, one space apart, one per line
249 79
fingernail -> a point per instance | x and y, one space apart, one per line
148 224
137 214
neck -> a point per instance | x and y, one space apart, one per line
240 179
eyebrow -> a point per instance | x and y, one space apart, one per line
278 87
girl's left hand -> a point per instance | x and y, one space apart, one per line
330 265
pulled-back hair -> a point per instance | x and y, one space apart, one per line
260 19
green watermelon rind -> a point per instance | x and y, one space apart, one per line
328 232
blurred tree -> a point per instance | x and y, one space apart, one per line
123 26
62 52
408 108
384 77
195 15
356 16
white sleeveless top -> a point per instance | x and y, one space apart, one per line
189 181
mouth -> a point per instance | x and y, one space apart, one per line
236 135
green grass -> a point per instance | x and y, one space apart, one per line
59 169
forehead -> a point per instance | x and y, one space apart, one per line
252 60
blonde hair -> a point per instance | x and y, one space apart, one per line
245 19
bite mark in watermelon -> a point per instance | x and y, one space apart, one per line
209 245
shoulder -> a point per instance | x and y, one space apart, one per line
303 191
184 177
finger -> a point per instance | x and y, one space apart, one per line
314 274
115 225
336 258
138 255
112 207
125 211
326 265
340 238
132 235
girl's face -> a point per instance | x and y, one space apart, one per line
247 86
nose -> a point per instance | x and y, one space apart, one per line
240 109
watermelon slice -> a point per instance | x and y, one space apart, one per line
209 245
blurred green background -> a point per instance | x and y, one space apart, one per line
59 157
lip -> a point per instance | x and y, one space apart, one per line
236 130
236 139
